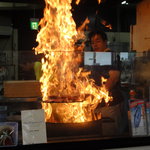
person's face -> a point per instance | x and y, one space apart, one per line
98 44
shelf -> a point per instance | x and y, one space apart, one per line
19 100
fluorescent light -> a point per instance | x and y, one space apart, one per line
124 2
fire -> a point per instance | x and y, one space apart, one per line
77 2
99 1
62 77
104 22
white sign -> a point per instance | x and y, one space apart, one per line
89 58
97 58
33 126
103 58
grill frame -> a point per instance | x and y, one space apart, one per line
74 130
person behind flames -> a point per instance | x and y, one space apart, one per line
114 109
34 68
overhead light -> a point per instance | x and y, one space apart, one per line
124 3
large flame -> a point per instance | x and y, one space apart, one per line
62 77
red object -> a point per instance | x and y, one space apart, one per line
132 93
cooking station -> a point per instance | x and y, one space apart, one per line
66 135
56 132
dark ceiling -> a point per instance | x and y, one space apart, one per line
91 5
119 16
20 11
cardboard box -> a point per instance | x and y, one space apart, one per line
24 88
138 117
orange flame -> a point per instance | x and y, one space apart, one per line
61 75
99 1
77 2
104 22
82 27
